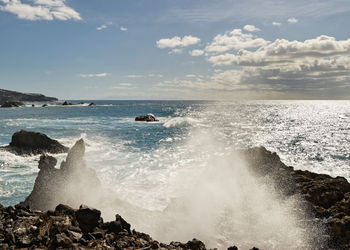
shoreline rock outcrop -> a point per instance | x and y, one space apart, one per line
33 143
68 228
327 198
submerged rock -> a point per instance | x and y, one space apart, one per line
146 118
32 143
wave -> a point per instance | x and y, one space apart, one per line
178 122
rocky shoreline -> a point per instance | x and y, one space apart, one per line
40 223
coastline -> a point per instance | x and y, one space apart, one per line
326 201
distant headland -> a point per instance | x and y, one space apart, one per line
13 96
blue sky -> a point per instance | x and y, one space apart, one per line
165 49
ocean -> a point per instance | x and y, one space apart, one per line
150 164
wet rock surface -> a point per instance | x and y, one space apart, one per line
33 143
327 198
146 118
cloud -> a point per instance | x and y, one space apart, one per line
177 41
103 26
94 75
234 40
40 10
176 51
292 20
251 28
311 65
155 75
124 86
134 76
123 28
276 24
196 52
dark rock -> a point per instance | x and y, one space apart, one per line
11 104
51 183
88 218
29 143
44 105
195 245
232 248
117 226
92 104
146 118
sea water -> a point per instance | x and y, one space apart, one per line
150 164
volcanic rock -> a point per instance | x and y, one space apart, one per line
64 185
12 104
146 118
32 143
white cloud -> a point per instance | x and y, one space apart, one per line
103 26
123 28
196 52
292 20
234 40
40 10
310 65
177 41
134 76
94 75
251 28
176 51
276 24
191 76
155 75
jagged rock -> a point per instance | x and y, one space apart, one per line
146 118
11 104
88 218
117 226
92 104
32 143
63 185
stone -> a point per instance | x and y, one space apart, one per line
88 218
146 118
33 143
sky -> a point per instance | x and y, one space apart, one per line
184 49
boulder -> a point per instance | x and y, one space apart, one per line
92 104
88 218
11 104
33 143
146 118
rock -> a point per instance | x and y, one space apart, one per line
232 248
44 105
117 226
92 104
146 118
11 104
51 184
32 143
195 245
88 218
